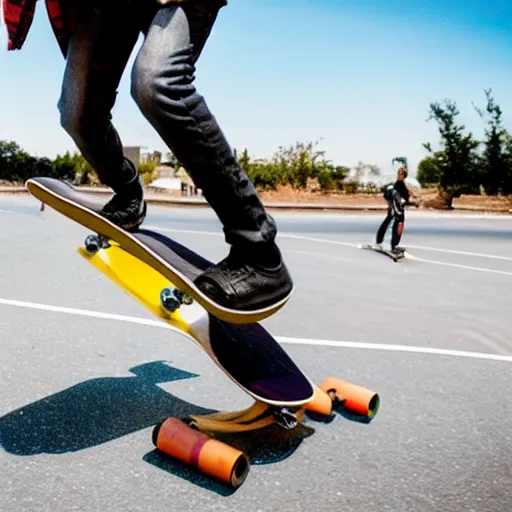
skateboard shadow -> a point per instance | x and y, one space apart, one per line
95 412
103 409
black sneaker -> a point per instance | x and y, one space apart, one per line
127 209
238 284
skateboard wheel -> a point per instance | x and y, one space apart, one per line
352 397
321 403
92 244
170 299
209 456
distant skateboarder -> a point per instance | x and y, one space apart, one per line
397 195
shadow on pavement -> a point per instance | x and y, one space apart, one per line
95 412
103 409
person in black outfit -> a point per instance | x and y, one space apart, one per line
398 195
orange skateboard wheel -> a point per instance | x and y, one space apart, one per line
210 456
321 403
355 398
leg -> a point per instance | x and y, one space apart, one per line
398 227
101 42
384 226
398 224
162 86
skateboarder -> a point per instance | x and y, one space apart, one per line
96 38
397 195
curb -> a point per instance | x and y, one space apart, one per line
200 202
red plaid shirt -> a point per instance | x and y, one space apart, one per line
18 16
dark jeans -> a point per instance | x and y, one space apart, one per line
104 33
395 214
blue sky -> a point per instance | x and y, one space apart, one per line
357 74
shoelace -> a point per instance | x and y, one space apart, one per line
235 271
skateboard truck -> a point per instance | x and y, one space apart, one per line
286 418
93 243
172 299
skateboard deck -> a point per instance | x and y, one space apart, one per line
84 209
388 253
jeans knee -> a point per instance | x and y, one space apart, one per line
70 120
157 86
142 88
81 122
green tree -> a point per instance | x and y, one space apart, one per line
84 173
65 167
507 180
41 167
429 170
13 160
331 177
244 161
295 165
457 160
17 165
495 161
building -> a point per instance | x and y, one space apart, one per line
133 153
174 182
168 179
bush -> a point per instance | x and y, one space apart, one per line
351 187
147 170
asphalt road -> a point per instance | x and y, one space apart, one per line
79 394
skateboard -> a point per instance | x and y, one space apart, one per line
248 354
388 253
85 209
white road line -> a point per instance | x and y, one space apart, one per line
320 240
347 244
393 348
457 265
84 312
462 253
281 339
280 235
186 231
